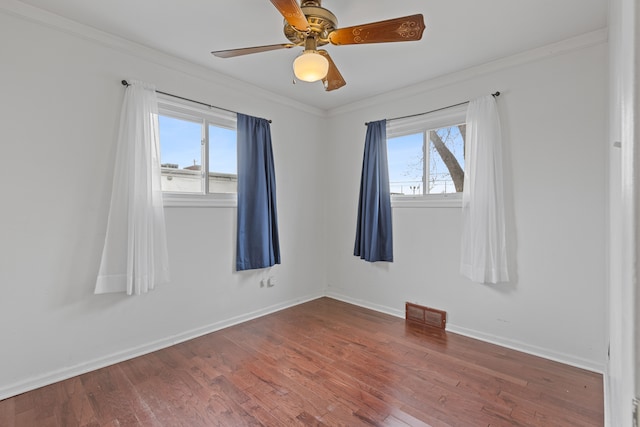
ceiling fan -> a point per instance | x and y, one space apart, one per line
311 25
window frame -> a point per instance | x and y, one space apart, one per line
184 110
421 124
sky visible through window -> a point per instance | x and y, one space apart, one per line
406 162
222 150
180 145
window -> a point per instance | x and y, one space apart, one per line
426 155
197 150
429 162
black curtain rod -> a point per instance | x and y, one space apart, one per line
126 83
496 94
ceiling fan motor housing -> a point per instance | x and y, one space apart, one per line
321 22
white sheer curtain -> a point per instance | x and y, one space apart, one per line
134 258
484 253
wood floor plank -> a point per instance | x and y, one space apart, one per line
322 363
7 412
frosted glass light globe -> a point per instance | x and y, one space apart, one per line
310 66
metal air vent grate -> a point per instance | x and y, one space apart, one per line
426 315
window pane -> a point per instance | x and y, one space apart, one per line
405 157
223 164
446 160
180 155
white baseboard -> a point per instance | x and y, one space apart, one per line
33 383
545 353
365 304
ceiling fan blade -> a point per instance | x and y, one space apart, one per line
333 80
408 28
230 53
292 12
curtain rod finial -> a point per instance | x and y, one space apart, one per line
124 83
496 94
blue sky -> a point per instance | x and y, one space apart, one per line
405 161
404 153
180 144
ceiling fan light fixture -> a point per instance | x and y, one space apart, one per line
310 66
309 24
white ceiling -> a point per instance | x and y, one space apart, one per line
459 34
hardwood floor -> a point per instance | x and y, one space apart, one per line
324 362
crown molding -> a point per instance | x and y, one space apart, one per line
572 44
56 22
21 10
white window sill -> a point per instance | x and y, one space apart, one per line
178 200
172 200
427 201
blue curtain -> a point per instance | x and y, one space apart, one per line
374 237
257 243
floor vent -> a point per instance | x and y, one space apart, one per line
426 316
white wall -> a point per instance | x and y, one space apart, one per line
624 73
554 113
61 97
